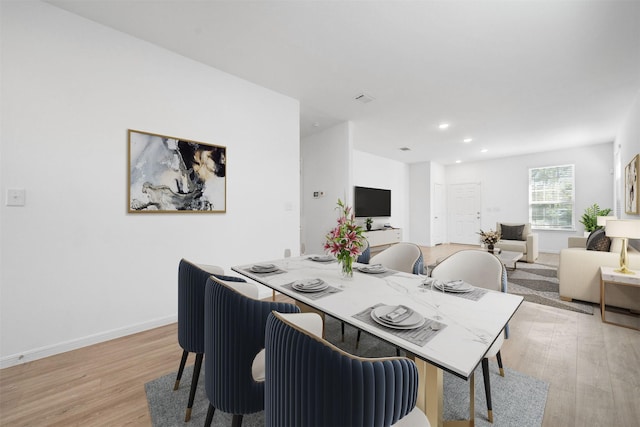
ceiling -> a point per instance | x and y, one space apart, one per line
516 77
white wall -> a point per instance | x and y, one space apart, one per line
625 147
505 194
420 203
374 171
75 267
331 166
627 144
423 179
326 167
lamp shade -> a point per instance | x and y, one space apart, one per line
602 220
629 229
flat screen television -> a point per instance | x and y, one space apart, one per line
372 202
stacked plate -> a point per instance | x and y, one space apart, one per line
310 285
322 258
263 268
397 317
459 286
373 269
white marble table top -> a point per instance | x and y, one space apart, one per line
609 274
472 326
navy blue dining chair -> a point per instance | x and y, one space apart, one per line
312 383
192 279
234 327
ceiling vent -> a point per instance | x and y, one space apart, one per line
405 149
364 98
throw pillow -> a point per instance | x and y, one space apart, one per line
598 241
511 232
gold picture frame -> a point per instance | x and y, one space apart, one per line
175 175
631 186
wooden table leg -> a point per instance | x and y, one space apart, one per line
430 392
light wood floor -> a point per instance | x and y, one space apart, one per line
593 370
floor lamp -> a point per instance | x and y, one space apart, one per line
624 229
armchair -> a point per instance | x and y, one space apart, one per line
527 242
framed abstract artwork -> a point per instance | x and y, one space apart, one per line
175 175
631 184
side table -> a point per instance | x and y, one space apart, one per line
608 276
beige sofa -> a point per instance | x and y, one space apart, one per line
528 245
579 276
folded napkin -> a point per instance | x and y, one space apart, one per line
455 284
399 314
308 284
263 267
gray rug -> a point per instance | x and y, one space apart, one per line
538 283
518 400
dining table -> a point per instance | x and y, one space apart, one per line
452 333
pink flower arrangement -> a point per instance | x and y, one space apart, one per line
345 240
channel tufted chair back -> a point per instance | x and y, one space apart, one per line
310 382
235 323
192 279
402 256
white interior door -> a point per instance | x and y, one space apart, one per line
464 213
438 223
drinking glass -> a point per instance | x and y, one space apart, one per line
436 294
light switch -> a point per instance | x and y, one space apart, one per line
15 197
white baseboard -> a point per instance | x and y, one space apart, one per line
39 353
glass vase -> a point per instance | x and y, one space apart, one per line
346 268
490 247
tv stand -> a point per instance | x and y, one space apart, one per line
382 238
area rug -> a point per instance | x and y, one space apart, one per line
539 283
518 400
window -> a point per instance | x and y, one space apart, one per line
551 193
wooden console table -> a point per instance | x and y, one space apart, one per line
608 276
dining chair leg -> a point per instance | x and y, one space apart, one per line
499 357
194 385
209 419
236 421
487 388
183 362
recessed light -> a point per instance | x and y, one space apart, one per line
467 140
443 126
458 161
484 150
316 124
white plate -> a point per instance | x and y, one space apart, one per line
372 270
455 287
414 321
322 258
263 268
303 285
